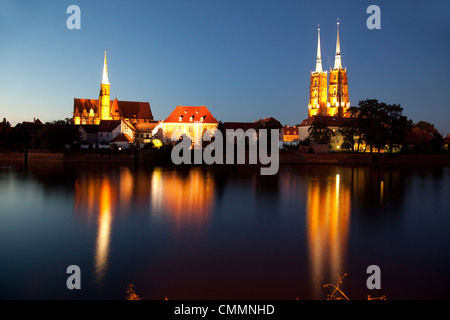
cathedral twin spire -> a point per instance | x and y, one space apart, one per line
335 102
319 57
337 59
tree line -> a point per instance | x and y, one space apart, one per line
53 135
372 126
380 127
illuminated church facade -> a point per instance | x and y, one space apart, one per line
336 102
328 96
92 111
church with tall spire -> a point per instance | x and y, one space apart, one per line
104 97
333 102
318 86
328 96
338 101
93 111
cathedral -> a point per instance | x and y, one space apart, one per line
328 96
336 102
92 111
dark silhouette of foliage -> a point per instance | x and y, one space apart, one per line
320 133
55 135
376 124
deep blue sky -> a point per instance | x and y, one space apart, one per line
243 59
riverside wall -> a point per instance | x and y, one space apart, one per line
291 158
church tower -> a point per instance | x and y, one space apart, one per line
338 101
318 86
104 98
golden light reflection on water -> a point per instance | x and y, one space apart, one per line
381 191
183 198
126 187
101 196
96 197
328 218
102 246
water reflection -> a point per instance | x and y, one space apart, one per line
102 245
96 198
181 197
328 220
185 198
227 228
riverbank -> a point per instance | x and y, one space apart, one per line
365 158
291 158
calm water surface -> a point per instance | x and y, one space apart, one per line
223 233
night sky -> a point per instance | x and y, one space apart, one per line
243 59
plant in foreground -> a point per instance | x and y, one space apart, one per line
338 294
131 294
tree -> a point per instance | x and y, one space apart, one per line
368 122
396 126
320 133
376 124
20 137
436 144
55 135
268 124
349 131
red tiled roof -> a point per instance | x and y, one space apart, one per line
125 109
123 137
146 126
263 120
135 110
187 112
239 125
90 128
330 121
108 125
87 104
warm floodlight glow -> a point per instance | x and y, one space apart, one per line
105 79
